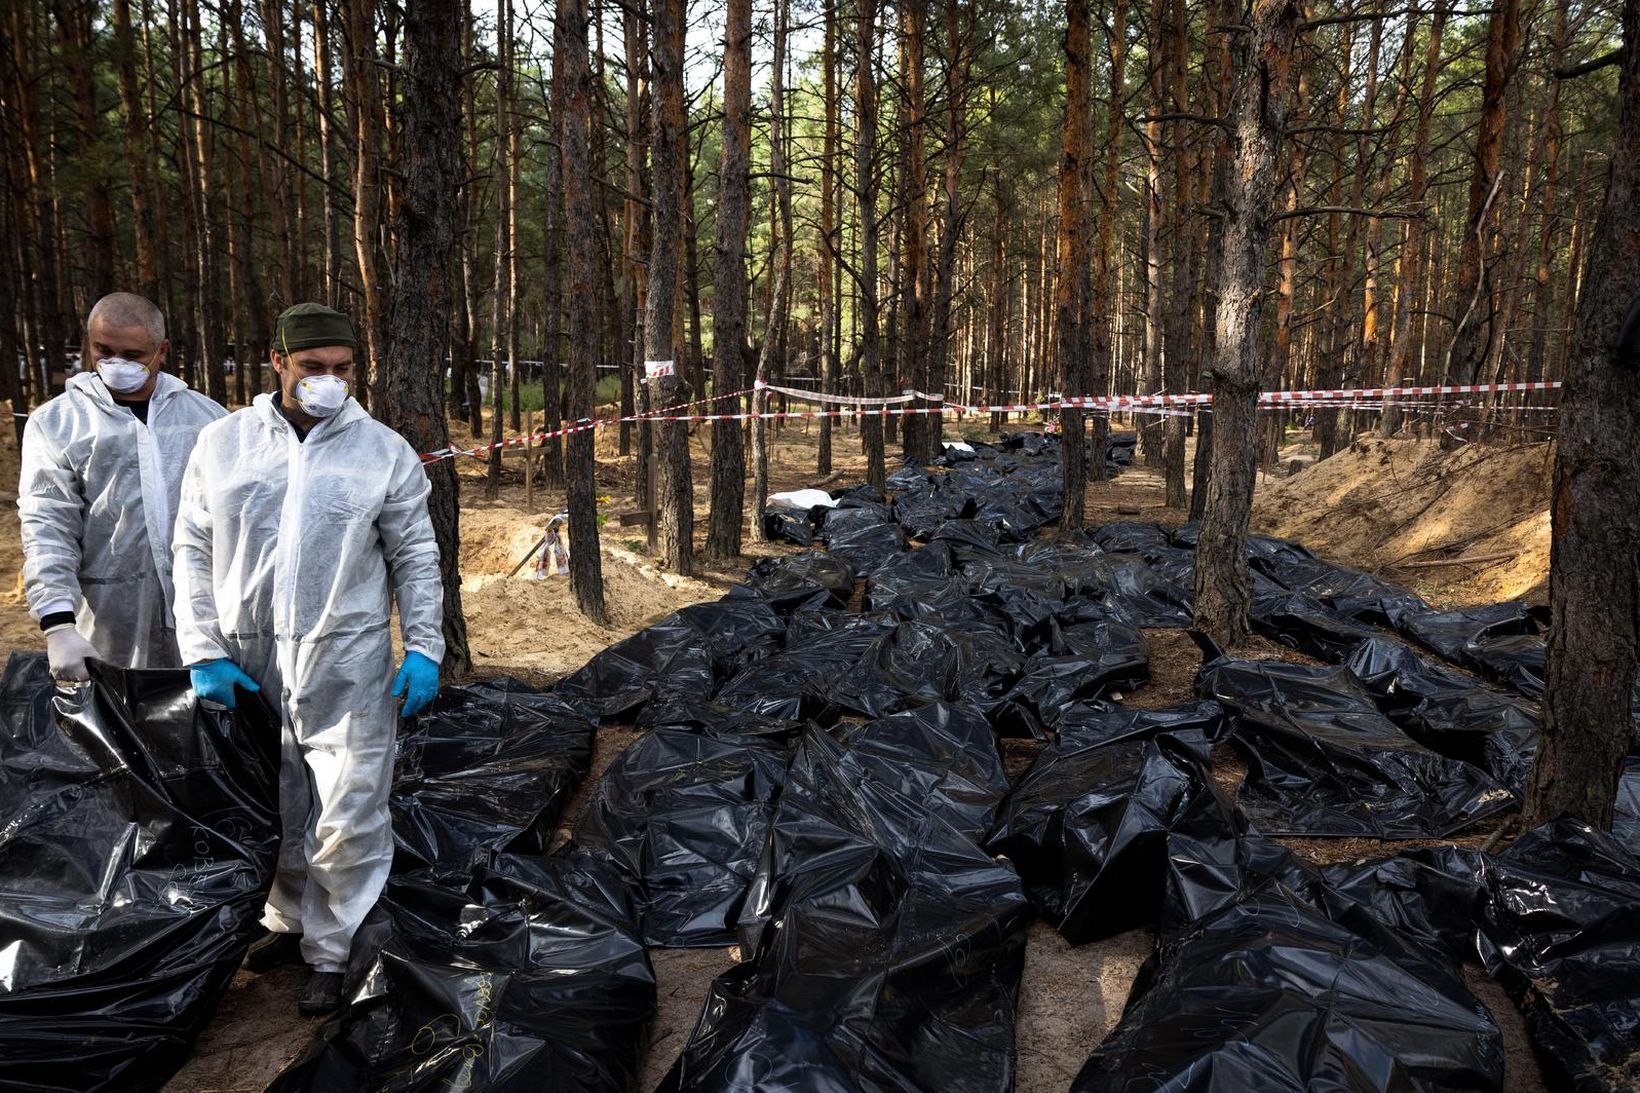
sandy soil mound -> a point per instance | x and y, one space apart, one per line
530 627
1382 504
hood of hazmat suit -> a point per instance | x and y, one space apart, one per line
95 500
289 555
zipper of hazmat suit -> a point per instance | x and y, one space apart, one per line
156 497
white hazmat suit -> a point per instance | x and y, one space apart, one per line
95 501
288 554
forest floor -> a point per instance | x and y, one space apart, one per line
1378 505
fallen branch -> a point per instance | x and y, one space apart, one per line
1455 561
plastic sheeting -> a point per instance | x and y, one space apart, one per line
1502 641
532 977
1087 826
798 684
1561 932
1322 759
886 944
812 579
1271 992
683 815
487 767
864 532
138 834
681 658
1448 711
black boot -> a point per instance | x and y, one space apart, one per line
323 995
271 950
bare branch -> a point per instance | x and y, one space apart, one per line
1615 57
1345 210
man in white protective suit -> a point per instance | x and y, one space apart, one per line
302 520
101 469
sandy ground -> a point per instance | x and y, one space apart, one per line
1393 506
1070 996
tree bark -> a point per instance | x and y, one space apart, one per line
1176 331
912 328
1398 367
212 346
674 489
466 371
574 122
501 295
865 182
367 108
1329 368
1594 563
75 21
136 122
418 328
1072 285
1150 428
635 248
553 350
1472 303
1104 306
1261 76
728 511
825 254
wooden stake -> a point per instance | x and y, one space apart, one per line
529 461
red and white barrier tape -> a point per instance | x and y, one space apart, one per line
1366 398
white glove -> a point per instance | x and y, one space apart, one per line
67 651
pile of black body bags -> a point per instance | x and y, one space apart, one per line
818 780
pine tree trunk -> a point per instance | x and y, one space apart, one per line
514 155
825 252
1071 284
574 116
1548 229
674 488
417 327
1176 327
360 63
142 210
1104 308
553 350
1398 368
1281 351
1261 76
865 150
467 371
912 328
635 246
1329 369
75 21
208 317
1472 303
1150 427
1594 564
501 287
330 259
251 339
728 511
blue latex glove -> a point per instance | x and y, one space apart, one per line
214 681
417 681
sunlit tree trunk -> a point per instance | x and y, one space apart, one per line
1594 563
1261 76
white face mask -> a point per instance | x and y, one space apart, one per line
122 376
320 396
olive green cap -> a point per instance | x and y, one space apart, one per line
310 326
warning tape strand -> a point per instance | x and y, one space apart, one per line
1339 398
